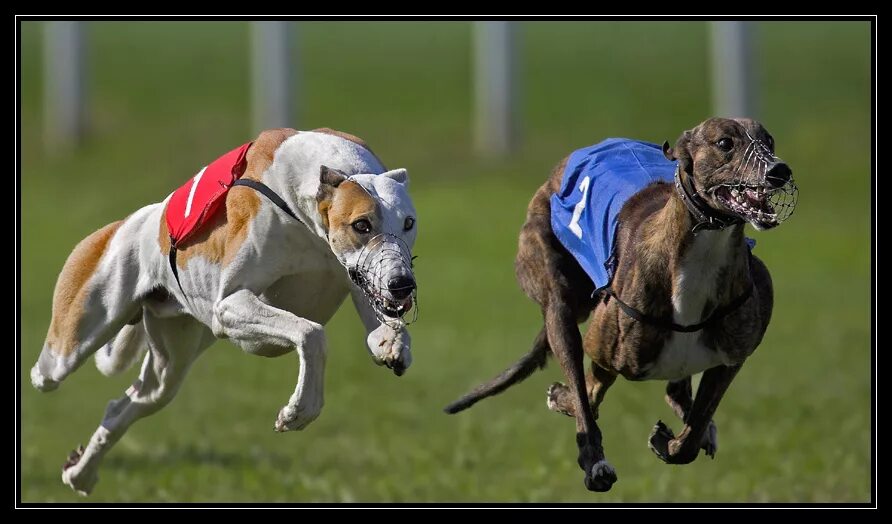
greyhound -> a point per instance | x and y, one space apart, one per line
671 285
320 218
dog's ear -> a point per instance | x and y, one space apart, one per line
329 179
400 175
667 151
681 152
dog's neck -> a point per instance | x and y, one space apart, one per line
300 195
707 266
703 216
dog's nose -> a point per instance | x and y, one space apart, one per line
401 287
778 174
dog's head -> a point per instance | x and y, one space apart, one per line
730 163
370 221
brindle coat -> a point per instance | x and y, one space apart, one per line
653 238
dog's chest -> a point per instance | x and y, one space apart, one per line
696 279
315 294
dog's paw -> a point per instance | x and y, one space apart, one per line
390 348
670 449
558 399
601 477
74 457
75 476
296 418
710 440
659 439
599 474
41 382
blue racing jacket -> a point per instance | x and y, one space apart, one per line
596 183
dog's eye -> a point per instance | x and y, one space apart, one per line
362 226
771 142
408 224
725 144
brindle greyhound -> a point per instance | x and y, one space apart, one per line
686 294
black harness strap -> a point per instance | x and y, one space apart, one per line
268 193
255 185
716 315
172 257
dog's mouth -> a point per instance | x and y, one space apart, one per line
389 310
393 308
763 207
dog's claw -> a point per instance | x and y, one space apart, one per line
659 439
73 458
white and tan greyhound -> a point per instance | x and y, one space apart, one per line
266 275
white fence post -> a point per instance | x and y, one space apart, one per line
495 87
64 85
272 86
733 83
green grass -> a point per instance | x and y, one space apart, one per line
166 97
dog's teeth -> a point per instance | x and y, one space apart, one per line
735 193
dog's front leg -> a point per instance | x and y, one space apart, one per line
388 346
680 399
566 343
684 448
245 319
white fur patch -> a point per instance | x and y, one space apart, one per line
684 354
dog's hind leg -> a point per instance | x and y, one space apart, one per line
566 343
684 448
597 381
174 345
680 398
550 275
95 296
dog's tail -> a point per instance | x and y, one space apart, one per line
536 358
121 352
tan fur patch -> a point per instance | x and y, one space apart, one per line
71 290
347 136
323 208
348 203
221 238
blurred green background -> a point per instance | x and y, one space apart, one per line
168 97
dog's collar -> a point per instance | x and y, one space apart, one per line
705 217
